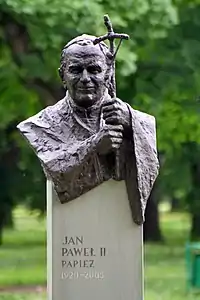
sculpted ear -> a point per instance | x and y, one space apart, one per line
61 74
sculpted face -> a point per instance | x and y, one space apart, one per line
85 74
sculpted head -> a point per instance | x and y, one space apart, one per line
85 70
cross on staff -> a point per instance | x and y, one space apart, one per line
111 36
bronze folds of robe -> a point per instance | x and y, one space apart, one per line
63 137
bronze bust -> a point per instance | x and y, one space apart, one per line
77 138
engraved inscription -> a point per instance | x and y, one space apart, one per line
77 240
76 257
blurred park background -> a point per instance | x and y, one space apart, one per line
158 72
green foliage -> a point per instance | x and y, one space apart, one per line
32 33
158 71
168 84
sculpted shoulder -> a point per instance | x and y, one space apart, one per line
51 115
147 122
144 117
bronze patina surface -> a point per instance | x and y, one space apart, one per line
76 140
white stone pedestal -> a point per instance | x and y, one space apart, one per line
94 250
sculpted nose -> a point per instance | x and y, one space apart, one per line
85 78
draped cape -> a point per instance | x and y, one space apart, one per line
67 152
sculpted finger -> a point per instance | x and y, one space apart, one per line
116 146
113 113
117 134
115 140
113 121
108 108
116 127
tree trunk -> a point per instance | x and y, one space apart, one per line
175 204
1 234
194 195
195 228
1 226
9 218
152 230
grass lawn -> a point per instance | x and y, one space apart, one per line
165 270
24 296
22 255
23 259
